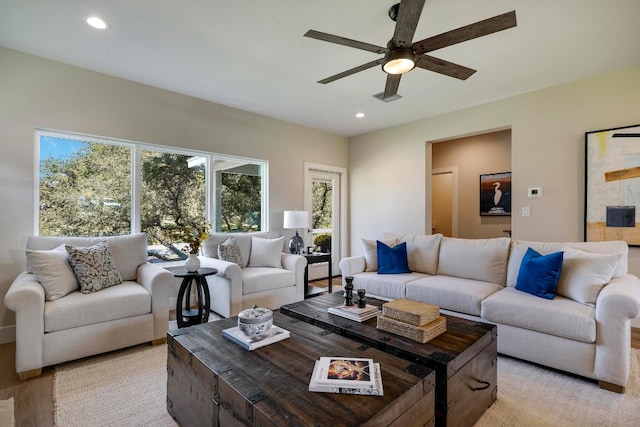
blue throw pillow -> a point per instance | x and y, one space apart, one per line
539 274
392 260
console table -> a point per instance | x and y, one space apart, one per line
315 259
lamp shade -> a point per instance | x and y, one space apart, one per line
296 219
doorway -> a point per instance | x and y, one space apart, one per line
444 211
324 193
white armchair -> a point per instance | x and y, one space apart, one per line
77 325
238 286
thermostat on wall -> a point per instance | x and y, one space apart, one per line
534 192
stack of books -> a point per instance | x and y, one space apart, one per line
412 319
250 343
355 313
348 375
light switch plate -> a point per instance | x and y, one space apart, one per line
526 211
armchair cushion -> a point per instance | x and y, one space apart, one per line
53 271
94 267
263 279
266 252
125 300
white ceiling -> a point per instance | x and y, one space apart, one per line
250 54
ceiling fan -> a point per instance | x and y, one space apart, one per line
401 55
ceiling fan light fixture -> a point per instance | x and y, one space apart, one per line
399 61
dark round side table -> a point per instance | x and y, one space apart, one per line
185 314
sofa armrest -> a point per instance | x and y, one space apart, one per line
225 287
617 304
352 265
158 282
26 297
297 264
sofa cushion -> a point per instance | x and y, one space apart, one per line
53 271
266 252
230 251
585 274
484 260
422 251
390 286
539 274
451 293
519 248
93 267
392 260
261 279
77 309
370 248
128 251
560 316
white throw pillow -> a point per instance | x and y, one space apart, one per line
53 271
584 274
422 251
266 252
370 249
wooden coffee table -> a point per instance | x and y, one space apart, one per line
212 381
464 358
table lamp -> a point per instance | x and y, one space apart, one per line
296 219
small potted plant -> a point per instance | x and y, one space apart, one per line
323 241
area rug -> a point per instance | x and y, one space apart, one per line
7 417
530 395
128 387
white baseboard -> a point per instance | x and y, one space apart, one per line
7 334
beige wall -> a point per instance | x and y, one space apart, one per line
38 93
388 180
473 156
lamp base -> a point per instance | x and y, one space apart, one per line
296 244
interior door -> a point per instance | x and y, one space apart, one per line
444 201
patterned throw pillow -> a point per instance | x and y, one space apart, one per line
93 266
230 251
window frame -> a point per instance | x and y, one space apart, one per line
136 174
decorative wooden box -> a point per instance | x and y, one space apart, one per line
420 334
410 311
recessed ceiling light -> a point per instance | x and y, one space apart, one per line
359 115
97 22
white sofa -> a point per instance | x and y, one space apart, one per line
77 325
476 279
238 286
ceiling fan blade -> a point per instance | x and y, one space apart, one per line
468 32
444 67
407 21
352 71
345 41
391 87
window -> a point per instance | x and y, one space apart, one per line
91 186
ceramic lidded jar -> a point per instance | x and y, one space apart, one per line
255 321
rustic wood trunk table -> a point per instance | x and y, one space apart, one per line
464 358
212 381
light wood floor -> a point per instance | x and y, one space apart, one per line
34 397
